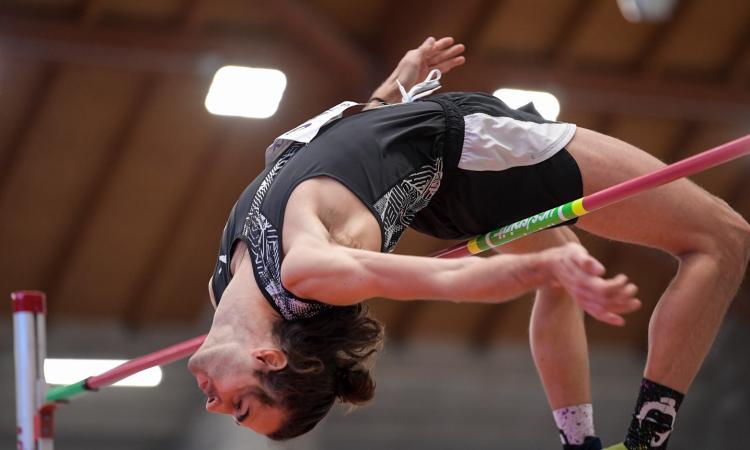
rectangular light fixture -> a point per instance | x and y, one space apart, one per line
69 371
636 11
245 92
544 102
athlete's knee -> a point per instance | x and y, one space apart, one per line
743 240
735 237
728 240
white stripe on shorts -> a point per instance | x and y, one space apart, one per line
499 143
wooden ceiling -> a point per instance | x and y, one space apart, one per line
115 182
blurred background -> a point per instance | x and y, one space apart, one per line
115 183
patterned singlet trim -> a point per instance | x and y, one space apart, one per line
396 209
265 249
402 202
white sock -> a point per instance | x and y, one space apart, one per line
575 423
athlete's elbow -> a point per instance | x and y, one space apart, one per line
298 278
330 290
305 289
326 280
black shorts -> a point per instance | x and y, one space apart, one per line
501 165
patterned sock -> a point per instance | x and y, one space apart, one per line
653 417
575 423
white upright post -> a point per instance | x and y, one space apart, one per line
26 305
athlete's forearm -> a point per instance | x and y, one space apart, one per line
495 279
344 276
387 92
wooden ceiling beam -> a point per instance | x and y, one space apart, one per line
645 62
611 92
134 313
90 12
168 241
93 199
736 68
477 23
58 10
682 142
9 157
315 33
178 52
569 27
133 48
190 15
407 24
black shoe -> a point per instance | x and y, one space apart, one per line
590 443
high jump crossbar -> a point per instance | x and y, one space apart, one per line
28 306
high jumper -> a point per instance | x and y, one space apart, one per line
310 239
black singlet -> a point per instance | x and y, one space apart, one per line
394 159
391 158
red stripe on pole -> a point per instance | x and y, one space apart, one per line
29 301
680 169
164 356
44 422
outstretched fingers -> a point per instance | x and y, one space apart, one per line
442 43
428 45
605 299
448 53
448 65
445 54
608 299
605 309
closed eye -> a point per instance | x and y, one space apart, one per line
239 417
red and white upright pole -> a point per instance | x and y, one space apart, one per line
34 423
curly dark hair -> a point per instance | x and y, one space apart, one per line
325 356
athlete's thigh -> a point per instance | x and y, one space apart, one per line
675 217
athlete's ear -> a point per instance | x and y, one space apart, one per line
271 358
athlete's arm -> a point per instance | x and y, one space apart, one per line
339 275
443 54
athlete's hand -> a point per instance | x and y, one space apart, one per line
443 54
605 299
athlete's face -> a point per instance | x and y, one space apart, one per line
226 373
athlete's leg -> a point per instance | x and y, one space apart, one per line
557 334
710 240
558 342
